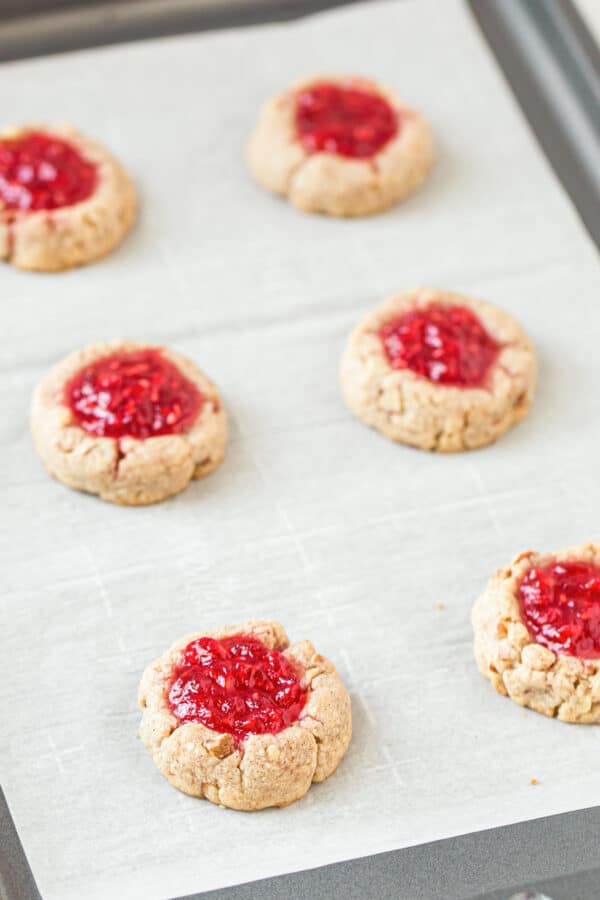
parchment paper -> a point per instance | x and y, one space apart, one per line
313 519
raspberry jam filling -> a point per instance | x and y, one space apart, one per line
445 344
137 394
40 171
560 605
349 121
236 686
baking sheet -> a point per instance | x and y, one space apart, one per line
313 519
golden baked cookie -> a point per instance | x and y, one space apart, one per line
130 422
438 370
340 145
64 200
241 718
537 632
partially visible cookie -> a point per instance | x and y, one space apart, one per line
340 145
537 632
241 718
130 422
64 200
438 370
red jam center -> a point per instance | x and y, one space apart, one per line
560 604
236 686
139 394
349 121
39 171
446 344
